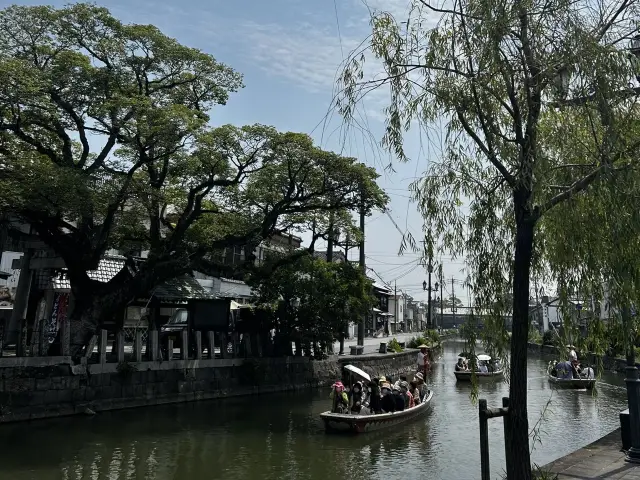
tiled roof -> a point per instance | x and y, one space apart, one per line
184 287
107 269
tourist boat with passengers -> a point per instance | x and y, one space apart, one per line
356 423
494 370
363 423
586 381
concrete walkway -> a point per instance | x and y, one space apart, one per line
603 459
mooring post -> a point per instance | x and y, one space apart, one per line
507 429
484 440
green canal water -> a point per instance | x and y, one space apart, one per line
280 437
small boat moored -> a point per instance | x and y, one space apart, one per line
586 381
494 370
354 423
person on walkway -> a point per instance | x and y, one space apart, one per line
387 401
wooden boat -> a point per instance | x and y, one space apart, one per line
354 423
585 383
467 375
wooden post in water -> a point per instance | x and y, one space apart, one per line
484 440
154 345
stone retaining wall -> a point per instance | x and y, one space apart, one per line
34 388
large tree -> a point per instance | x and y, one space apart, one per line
516 85
312 300
105 142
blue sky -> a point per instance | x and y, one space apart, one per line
289 52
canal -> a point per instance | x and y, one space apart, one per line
279 437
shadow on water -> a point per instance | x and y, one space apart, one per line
281 437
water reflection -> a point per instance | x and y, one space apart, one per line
281 437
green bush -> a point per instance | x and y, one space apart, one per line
394 346
432 337
415 341
534 335
549 337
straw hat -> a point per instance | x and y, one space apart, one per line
382 379
422 346
418 376
386 385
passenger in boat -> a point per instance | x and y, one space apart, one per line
460 366
374 396
408 396
356 397
419 379
387 402
340 398
482 368
576 370
564 370
398 383
399 399
413 388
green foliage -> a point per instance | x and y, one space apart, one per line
313 299
534 335
394 346
549 337
432 337
105 142
415 341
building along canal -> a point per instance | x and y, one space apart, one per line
279 436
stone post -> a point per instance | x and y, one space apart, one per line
198 345
633 396
120 345
184 345
154 345
212 344
102 353
170 349
138 345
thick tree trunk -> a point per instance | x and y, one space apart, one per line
519 461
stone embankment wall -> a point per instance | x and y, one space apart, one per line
608 363
33 388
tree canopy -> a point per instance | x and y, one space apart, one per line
106 142
312 300
535 103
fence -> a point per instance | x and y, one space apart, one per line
485 415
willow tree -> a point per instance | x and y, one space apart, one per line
508 79
105 143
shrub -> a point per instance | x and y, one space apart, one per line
415 341
432 337
394 346
549 337
534 335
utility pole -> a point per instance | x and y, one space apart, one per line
395 303
430 270
441 297
330 243
362 265
453 299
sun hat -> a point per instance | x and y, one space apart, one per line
382 379
422 346
396 388
338 385
404 384
386 385
419 376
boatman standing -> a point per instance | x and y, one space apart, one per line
423 359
